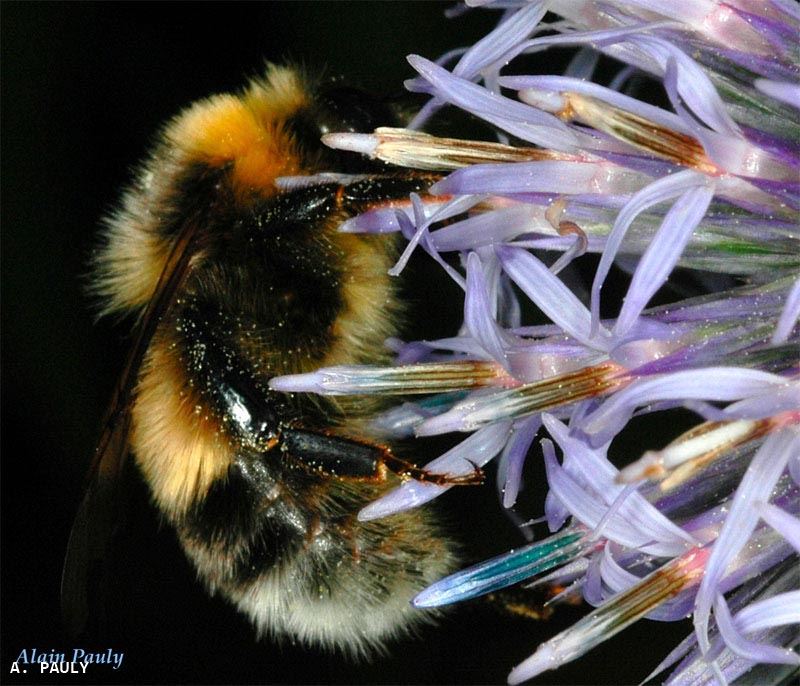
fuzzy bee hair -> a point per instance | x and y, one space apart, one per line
232 282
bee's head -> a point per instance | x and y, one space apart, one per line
216 169
273 129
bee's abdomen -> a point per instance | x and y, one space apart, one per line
286 548
246 522
269 529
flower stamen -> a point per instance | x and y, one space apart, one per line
698 448
556 391
641 133
617 614
417 150
436 377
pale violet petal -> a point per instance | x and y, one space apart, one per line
583 64
784 523
478 314
756 486
622 77
780 90
421 225
488 228
379 220
514 456
624 102
758 652
420 237
663 253
694 86
584 507
514 117
768 404
778 610
635 511
550 294
555 512
789 315
794 468
563 177
600 37
733 154
496 43
711 383
616 577
655 193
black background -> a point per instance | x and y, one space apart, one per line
84 86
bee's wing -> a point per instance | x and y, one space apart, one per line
101 508
93 528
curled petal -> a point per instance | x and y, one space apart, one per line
711 383
583 505
694 86
555 512
634 514
762 405
758 652
514 117
614 576
514 456
778 610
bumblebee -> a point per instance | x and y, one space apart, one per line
231 282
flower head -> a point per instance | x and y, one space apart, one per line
708 525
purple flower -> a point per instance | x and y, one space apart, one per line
708 525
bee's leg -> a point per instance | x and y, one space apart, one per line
513 601
332 455
260 421
350 459
409 471
375 191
